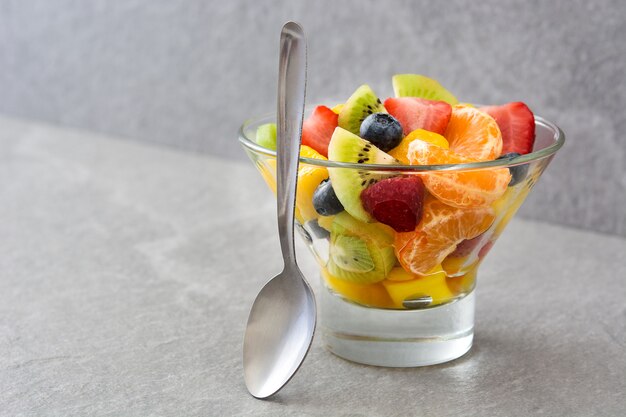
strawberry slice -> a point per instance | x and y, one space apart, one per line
318 129
417 113
517 124
397 202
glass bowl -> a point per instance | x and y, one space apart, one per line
411 301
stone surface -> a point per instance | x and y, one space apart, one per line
127 273
186 74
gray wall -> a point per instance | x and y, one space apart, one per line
186 73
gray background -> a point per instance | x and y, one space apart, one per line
186 73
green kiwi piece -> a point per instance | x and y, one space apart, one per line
345 224
414 85
350 253
359 252
348 183
361 104
266 136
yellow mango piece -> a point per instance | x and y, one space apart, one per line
434 285
308 152
373 295
337 108
456 266
267 168
326 222
507 205
400 274
309 177
400 151
464 283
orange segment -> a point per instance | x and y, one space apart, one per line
441 229
476 188
400 152
473 133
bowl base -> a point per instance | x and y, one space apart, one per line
396 338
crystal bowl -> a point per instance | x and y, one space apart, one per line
411 303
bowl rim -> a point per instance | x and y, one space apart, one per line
548 151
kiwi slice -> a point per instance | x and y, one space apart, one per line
359 252
414 85
350 253
348 183
266 136
361 104
345 224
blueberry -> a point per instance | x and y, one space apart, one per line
518 172
325 200
383 130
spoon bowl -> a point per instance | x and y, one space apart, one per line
279 333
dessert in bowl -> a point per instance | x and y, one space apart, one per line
400 201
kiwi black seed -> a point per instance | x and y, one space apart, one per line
359 252
361 104
348 183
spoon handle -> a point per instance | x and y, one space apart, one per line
291 91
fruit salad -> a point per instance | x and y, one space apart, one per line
393 237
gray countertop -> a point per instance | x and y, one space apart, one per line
127 273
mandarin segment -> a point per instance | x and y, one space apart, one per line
458 188
441 229
473 134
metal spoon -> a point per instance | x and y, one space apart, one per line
282 320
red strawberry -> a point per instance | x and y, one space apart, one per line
418 113
397 202
318 129
517 124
